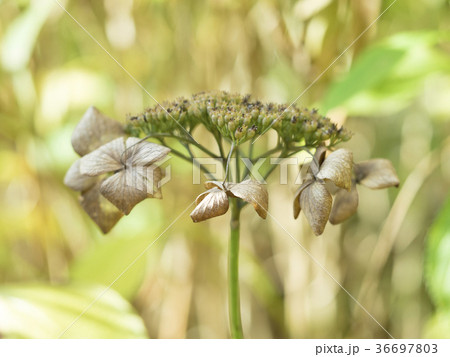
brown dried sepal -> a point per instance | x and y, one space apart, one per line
344 205
214 202
252 192
101 211
376 174
211 203
315 201
94 130
337 168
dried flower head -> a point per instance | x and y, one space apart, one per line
374 174
214 202
313 196
237 118
132 179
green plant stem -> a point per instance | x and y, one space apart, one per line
219 144
228 161
265 155
234 305
183 139
188 159
238 166
285 154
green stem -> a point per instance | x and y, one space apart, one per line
285 154
228 162
183 139
265 155
238 167
188 159
219 143
234 305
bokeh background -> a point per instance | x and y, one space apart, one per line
391 88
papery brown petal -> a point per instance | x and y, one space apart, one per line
337 168
101 211
344 205
315 201
318 158
297 207
252 192
376 173
212 184
107 158
201 196
145 179
76 181
154 176
211 203
143 153
94 130
125 189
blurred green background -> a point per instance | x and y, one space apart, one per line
391 88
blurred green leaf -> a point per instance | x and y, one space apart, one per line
107 260
370 69
437 258
438 326
20 38
44 311
388 75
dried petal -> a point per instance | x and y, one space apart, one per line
94 130
101 211
107 158
211 203
201 196
76 181
297 207
212 184
154 177
144 178
252 192
143 153
344 205
125 189
318 158
315 201
376 173
337 168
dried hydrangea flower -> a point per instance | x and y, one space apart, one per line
313 196
375 174
134 177
214 202
129 161
93 130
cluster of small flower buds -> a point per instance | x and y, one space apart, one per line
237 118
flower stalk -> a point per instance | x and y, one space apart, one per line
234 305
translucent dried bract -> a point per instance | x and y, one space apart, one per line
134 177
375 174
313 195
214 202
94 130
